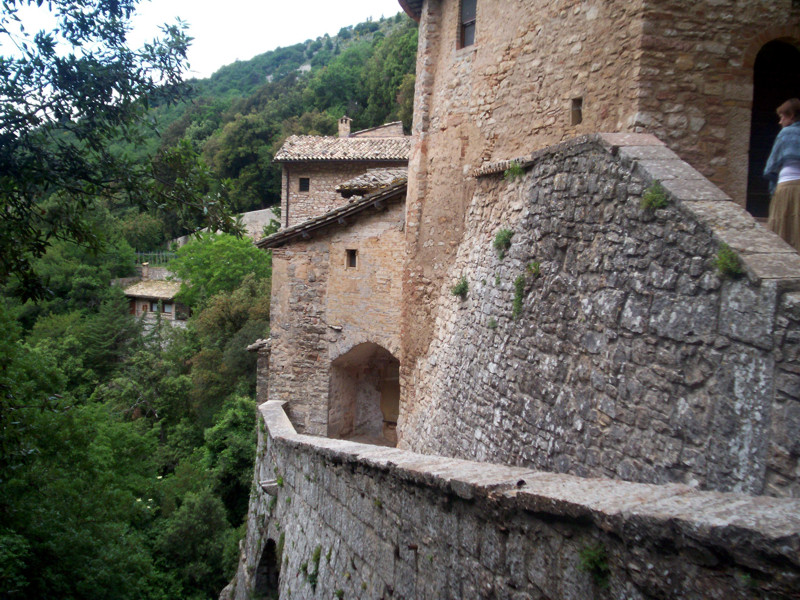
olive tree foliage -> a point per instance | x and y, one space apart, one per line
67 97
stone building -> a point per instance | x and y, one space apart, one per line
337 264
152 294
314 165
617 377
335 316
499 81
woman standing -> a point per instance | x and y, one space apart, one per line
783 172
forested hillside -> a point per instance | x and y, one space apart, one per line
127 451
237 119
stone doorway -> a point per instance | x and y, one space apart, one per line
364 398
268 571
776 78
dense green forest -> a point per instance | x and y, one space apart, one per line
127 451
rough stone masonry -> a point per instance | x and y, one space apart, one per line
631 356
625 302
337 519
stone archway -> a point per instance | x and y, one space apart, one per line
268 571
776 78
364 396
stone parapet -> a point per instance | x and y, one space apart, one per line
380 522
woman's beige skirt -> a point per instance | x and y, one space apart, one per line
784 212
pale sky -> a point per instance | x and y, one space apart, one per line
233 30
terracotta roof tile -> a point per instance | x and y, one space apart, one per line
299 148
413 8
340 215
161 290
372 180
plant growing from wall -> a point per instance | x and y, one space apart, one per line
594 561
655 197
535 269
492 323
312 575
281 544
519 296
514 171
728 263
502 242
461 288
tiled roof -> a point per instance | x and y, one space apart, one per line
372 180
338 215
413 8
160 290
298 148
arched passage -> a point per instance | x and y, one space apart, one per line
364 398
268 571
776 78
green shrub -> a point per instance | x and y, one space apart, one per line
502 242
594 560
728 263
655 197
461 288
519 296
534 268
514 171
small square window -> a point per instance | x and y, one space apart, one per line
576 111
305 184
168 308
351 259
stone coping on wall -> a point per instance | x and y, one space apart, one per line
742 525
764 255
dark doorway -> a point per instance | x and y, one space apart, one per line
776 78
267 584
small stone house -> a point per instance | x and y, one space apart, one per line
314 165
154 294
149 298
336 264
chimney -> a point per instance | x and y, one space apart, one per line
344 126
145 271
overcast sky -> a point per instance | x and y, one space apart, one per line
229 30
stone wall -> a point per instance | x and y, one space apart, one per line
330 518
629 355
321 309
322 196
682 71
508 94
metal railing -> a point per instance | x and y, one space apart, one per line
155 258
